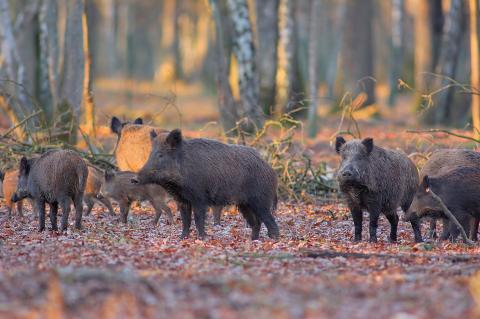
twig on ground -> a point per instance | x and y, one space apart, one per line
446 132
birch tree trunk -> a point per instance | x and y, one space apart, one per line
73 71
332 68
89 106
475 66
287 44
313 68
447 63
244 51
267 39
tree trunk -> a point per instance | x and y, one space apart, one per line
358 50
396 61
332 68
73 72
436 25
226 103
244 51
475 66
447 63
177 54
89 106
313 68
267 36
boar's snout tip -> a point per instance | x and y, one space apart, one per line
134 180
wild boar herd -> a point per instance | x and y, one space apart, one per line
198 174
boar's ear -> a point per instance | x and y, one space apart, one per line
24 166
368 143
138 120
109 174
426 183
174 138
153 135
116 125
339 141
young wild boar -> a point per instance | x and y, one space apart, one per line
92 190
119 187
200 172
377 180
134 147
442 161
56 177
459 189
9 185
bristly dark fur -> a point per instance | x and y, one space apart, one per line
377 180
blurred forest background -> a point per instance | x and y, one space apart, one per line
75 63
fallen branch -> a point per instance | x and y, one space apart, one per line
334 254
452 218
446 132
10 130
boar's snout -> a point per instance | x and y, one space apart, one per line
134 180
348 174
15 198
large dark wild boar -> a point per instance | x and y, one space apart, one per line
200 172
459 189
92 190
377 180
134 147
57 178
119 187
442 161
9 185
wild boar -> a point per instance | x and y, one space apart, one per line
92 190
377 180
9 185
119 187
458 188
134 147
56 177
201 172
442 161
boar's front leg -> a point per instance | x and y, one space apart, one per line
474 228
417 233
393 219
66 212
199 213
124 209
40 204
53 215
186 213
357 215
374 215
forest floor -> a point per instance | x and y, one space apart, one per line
112 270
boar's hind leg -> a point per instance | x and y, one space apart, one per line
40 204
199 213
161 207
89 201
252 220
474 228
20 208
53 215
263 212
357 215
105 201
432 233
65 213
217 214
393 219
78 204
186 213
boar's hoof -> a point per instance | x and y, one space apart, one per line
184 235
134 181
40 229
373 239
274 235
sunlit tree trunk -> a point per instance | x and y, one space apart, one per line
313 68
244 51
177 54
267 36
73 71
358 51
89 107
475 65
398 8
447 63
332 68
